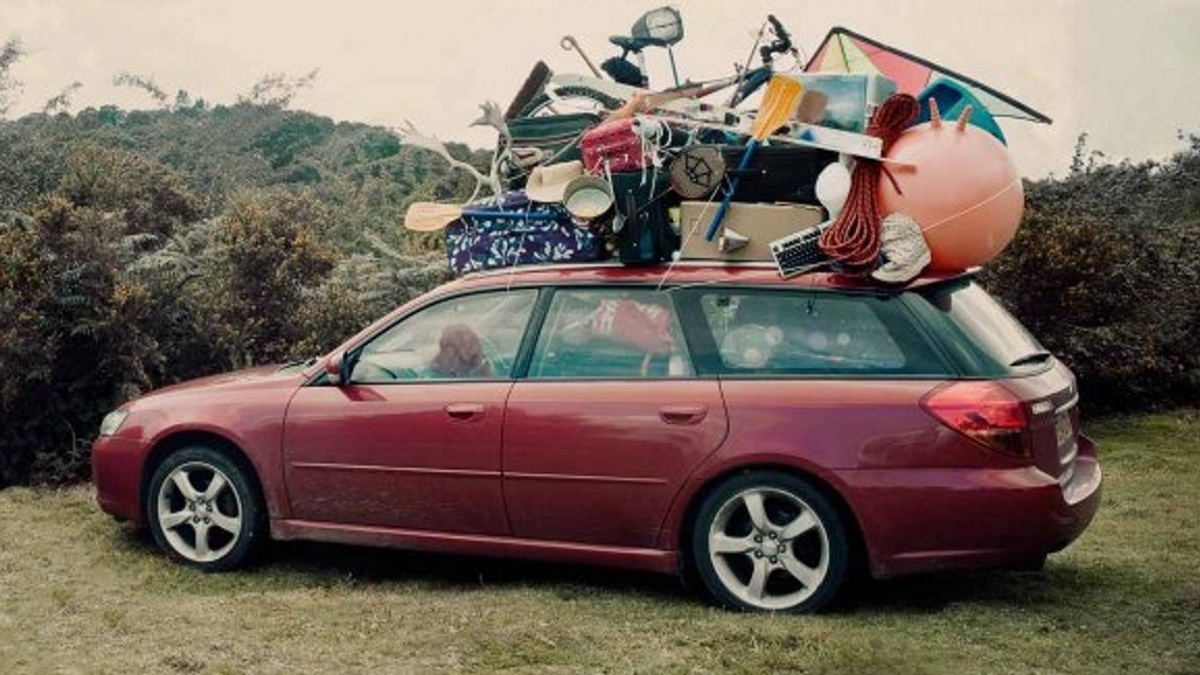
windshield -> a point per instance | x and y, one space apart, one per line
984 337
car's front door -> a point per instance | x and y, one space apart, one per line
413 440
609 422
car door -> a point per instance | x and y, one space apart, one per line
609 421
413 439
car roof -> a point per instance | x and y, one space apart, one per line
684 273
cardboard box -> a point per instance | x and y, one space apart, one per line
760 223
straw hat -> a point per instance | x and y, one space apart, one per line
588 198
547 183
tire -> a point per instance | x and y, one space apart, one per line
791 556
540 105
202 522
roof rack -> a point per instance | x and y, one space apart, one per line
926 280
613 264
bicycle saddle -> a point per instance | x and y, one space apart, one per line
634 44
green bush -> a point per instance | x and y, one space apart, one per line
139 249
1104 271
71 346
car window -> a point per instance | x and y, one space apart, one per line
983 337
470 337
814 333
610 333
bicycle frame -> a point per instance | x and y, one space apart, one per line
746 82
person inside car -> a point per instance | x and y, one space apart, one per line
460 355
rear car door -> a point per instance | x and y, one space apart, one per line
609 421
413 440
832 378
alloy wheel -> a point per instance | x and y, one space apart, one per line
200 512
769 548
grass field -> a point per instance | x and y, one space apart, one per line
80 593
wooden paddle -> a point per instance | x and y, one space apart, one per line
430 216
779 104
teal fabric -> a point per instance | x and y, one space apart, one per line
952 97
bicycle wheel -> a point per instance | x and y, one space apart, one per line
574 99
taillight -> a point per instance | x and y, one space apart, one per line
985 412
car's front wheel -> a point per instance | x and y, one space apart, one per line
203 509
769 541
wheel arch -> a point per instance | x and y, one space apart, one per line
164 447
859 551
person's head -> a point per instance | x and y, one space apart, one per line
460 353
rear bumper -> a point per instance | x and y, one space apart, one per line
935 519
117 474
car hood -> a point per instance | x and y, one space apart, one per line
242 379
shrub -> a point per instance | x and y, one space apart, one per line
150 197
70 341
1104 272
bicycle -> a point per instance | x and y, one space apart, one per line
549 94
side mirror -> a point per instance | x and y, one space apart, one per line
661 27
336 370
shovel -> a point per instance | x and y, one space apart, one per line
779 103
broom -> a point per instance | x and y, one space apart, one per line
779 104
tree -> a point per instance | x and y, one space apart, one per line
61 102
11 51
146 84
278 89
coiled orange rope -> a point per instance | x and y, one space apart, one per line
853 240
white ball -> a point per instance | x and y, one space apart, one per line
832 187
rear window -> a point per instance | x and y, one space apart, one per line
979 333
813 333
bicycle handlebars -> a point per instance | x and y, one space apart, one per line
780 45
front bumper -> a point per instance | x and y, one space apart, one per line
933 519
117 473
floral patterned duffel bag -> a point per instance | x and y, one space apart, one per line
511 230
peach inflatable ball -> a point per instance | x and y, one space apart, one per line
960 184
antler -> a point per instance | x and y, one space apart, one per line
492 117
410 135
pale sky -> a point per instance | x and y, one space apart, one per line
1122 71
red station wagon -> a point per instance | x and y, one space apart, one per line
713 420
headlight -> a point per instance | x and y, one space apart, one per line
113 421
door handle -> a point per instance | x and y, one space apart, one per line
465 411
682 414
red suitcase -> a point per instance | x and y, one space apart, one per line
614 147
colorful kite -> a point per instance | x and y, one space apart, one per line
844 51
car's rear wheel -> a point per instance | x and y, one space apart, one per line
769 541
203 509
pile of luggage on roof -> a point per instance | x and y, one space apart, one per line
867 161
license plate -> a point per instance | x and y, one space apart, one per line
1064 431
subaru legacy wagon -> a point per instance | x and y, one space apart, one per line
762 436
